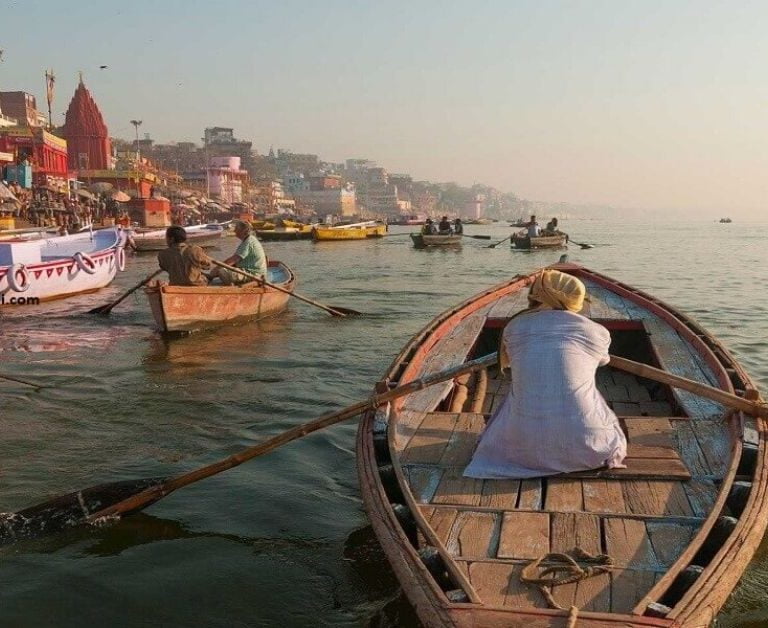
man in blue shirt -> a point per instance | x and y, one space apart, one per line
249 256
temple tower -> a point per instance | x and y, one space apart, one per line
86 133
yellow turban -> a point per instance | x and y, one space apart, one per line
558 290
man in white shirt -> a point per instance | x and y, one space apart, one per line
534 231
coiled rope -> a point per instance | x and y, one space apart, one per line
559 569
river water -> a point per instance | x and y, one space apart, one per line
283 540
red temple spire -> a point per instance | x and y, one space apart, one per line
87 135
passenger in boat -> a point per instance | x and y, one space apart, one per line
534 230
551 228
554 420
249 256
458 227
444 228
429 228
183 262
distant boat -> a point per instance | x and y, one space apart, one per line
556 241
356 231
202 235
413 219
421 241
726 220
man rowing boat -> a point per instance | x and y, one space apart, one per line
183 262
554 420
249 256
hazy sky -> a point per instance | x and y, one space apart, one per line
653 104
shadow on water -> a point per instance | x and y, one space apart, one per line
367 559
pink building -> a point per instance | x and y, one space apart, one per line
226 180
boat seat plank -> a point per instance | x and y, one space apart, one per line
448 352
639 469
627 542
429 442
628 587
524 535
423 481
501 494
669 540
603 496
454 488
474 535
564 494
407 423
656 497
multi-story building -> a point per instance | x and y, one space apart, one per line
45 152
226 180
221 142
336 201
299 163
23 108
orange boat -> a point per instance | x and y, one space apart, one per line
192 308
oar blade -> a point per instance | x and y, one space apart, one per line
67 511
104 310
346 311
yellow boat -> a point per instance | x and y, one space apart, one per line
357 231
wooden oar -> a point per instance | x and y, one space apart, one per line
755 408
495 244
106 309
119 498
333 310
582 244
476 237
21 381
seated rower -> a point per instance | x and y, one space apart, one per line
554 420
429 228
551 227
533 228
249 256
458 227
444 228
183 262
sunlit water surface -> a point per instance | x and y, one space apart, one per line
283 540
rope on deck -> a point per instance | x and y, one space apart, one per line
559 569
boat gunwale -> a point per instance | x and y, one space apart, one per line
702 341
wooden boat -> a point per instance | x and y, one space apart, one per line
522 241
355 231
202 235
421 241
285 233
191 308
59 266
726 220
680 523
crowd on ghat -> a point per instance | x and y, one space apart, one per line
44 207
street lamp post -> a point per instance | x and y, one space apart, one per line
136 124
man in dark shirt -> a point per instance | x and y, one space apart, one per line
183 262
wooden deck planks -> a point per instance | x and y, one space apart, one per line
628 587
571 530
474 535
429 441
454 488
628 543
656 497
509 305
603 496
564 494
423 481
501 494
524 535
466 431
669 540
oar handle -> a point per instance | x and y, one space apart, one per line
278 288
21 381
154 493
495 244
755 408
